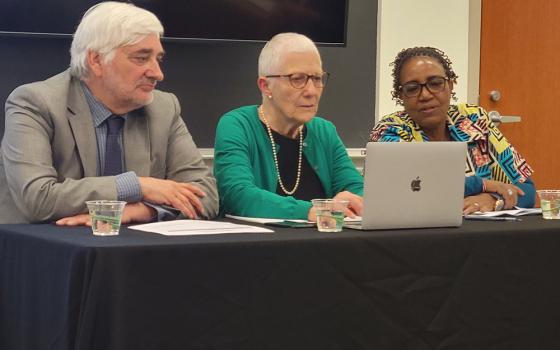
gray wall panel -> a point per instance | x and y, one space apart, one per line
211 78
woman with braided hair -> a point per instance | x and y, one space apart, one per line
496 175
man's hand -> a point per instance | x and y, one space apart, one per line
182 196
137 212
133 212
76 220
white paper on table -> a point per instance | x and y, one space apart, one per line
261 220
267 220
197 227
512 212
354 219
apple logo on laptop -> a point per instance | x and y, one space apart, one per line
415 184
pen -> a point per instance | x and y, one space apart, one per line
492 218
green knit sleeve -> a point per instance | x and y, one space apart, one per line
243 172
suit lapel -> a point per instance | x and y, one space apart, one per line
136 139
81 123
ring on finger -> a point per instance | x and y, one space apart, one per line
510 192
476 204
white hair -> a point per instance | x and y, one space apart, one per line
106 27
281 44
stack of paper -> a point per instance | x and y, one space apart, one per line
196 227
512 212
261 220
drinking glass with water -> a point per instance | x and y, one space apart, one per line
330 214
105 216
550 203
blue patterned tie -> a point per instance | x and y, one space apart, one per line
113 152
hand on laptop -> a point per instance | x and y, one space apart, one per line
355 203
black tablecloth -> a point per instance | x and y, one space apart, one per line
485 285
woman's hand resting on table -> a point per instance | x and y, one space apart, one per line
482 202
508 192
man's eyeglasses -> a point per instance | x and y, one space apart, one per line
299 80
414 89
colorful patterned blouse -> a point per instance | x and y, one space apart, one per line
490 155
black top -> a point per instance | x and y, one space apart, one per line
287 153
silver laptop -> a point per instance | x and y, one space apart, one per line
413 184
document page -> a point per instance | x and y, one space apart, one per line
269 220
196 227
261 220
512 212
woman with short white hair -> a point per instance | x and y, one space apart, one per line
272 159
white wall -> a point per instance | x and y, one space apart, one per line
405 23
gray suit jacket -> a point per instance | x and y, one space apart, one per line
48 167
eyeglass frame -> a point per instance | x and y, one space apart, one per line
425 85
324 79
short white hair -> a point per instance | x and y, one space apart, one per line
281 44
107 26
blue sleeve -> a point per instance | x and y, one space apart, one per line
128 187
129 190
473 185
527 200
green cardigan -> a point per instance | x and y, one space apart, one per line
246 175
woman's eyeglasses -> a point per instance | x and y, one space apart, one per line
299 80
414 89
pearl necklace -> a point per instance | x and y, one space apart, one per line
269 130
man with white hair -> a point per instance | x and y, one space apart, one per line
100 130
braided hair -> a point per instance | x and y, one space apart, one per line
406 54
